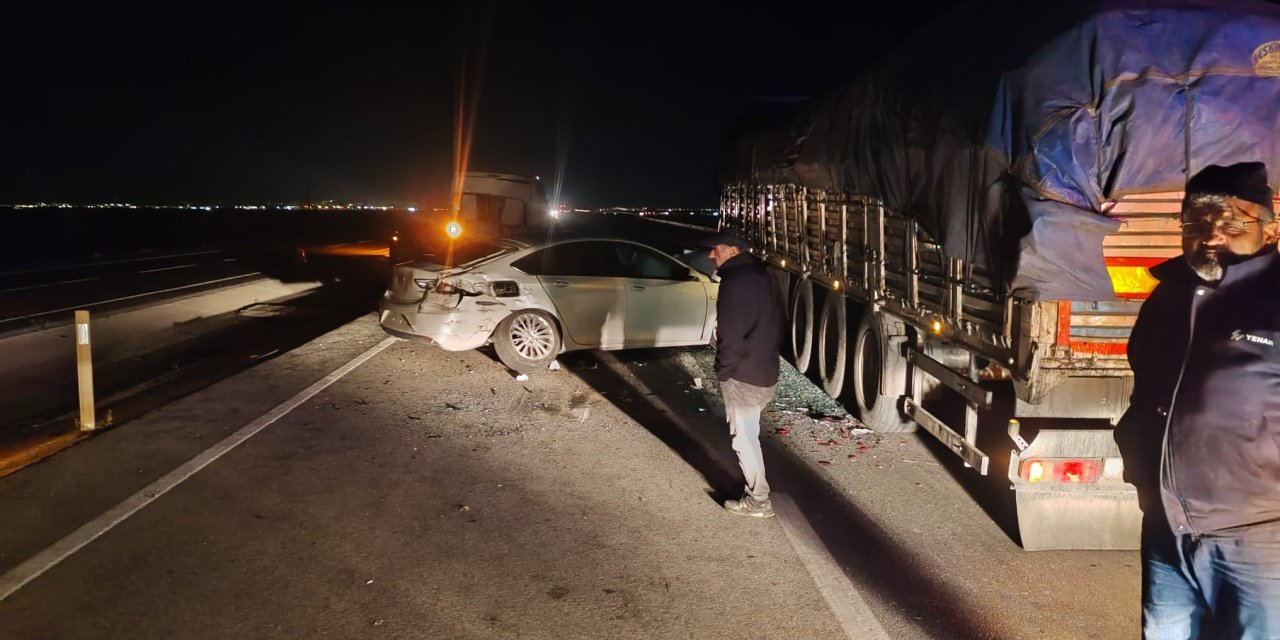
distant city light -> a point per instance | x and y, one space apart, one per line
323 206
556 210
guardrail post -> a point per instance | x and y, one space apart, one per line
84 371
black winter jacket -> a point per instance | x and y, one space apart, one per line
1201 438
748 323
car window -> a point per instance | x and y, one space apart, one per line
640 262
571 259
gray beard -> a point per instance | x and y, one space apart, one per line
1209 269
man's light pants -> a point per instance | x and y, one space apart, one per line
743 404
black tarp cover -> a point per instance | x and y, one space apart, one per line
1004 128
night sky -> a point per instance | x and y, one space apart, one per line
212 102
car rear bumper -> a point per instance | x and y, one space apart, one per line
450 331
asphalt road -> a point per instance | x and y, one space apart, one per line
43 295
165 325
430 494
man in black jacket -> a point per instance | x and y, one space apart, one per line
748 332
1201 438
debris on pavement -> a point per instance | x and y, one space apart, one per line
524 377
554 366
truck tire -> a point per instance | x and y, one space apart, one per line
802 322
879 376
527 341
833 342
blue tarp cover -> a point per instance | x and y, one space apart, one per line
1004 128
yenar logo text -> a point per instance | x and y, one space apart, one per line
1239 335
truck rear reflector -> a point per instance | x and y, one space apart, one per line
1061 470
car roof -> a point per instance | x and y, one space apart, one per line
552 243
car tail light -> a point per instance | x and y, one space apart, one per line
1061 470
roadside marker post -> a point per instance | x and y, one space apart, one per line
84 371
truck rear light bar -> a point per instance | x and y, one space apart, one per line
1061 470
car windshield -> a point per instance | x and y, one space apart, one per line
466 252
698 259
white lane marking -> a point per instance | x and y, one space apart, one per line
98 264
231 259
181 266
138 295
47 284
35 566
844 600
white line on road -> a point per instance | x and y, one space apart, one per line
845 601
138 295
181 266
31 569
64 267
47 284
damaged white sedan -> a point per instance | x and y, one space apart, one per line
535 302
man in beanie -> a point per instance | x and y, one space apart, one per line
1201 438
748 332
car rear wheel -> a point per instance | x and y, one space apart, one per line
527 341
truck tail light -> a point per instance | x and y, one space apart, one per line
1130 277
1061 470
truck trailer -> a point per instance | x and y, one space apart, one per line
974 218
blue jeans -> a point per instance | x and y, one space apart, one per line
1210 587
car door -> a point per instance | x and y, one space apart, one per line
589 300
667 304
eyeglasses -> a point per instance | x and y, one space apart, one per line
1228 226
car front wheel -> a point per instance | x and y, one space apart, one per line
527 341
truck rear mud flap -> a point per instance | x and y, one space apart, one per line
1068 484
1069 491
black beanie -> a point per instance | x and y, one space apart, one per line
1245 180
